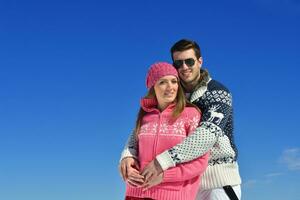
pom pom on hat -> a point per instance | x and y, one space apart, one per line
158 70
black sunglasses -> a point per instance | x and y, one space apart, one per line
189 62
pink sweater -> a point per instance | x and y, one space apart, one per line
159 133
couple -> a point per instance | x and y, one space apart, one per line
170 156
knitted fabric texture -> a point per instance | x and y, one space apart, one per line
158 133
215 133
159 70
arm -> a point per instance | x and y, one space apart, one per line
129 166
205 136
182 172
187 170
130 149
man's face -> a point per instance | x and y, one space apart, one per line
188 73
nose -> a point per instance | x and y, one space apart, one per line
169 85
184 66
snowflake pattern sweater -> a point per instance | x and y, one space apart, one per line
215 132
158 133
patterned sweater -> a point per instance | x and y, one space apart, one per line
214 133
158 133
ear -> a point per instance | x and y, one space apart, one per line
200 60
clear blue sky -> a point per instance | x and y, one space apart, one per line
72 74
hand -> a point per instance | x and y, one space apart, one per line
152 170
134 178
126 164
129 170
154 181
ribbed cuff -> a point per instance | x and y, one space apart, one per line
165 160
128 153
220 175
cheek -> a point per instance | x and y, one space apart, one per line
176 88
180 75
158 90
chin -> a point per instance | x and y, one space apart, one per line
186 78
170 100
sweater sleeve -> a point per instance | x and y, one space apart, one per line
218 108
189 170
186 171
130 149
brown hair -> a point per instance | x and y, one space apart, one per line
181 103
186 44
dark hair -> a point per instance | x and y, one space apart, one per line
186 44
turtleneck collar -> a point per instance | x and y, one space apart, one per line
150 104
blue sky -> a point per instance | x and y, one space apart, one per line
72 74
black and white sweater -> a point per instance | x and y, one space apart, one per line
215 133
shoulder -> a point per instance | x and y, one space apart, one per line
191 112
191 119
217 91
216 85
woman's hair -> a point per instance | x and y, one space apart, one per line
180 100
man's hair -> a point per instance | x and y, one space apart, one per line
186 44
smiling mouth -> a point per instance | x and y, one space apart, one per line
186 72
169 95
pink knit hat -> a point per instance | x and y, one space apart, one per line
158 70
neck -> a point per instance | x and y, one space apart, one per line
161 107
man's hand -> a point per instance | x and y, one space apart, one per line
134 178
154 181
126 164
152 171
129 169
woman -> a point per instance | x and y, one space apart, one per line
164 120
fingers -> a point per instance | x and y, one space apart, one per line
134 175
126 164
155 180
136 165
152 182
123 170
147 175
149 171
134 183
146 187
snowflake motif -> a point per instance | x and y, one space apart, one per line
144 128
194 123
179 128
174 156
154 128
164 128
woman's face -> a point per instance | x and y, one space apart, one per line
166 90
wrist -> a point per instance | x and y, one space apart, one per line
128 153
165 161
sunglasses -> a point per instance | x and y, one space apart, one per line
179 63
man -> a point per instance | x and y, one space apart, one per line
221 180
